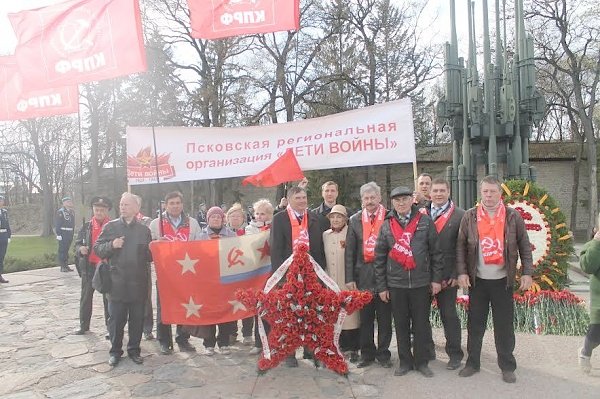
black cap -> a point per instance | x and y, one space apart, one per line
102 201
401 191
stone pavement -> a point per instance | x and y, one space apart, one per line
39 358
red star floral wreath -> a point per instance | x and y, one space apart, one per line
551 242
307 310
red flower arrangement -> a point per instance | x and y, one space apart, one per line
303 312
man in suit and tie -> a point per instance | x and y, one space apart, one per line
294 226
446 217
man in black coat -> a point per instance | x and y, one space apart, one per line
5 234
64 227
447 216
124 242
291 227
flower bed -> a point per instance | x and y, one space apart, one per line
543 312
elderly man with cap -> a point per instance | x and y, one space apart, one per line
87 260
64 227
4 237
334 244
408 270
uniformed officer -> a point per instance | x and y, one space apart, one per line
87 260
64 227
4 237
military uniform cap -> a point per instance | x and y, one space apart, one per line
66 199
102 201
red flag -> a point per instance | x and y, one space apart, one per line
79 41
197 280
17 104
285 168
214 19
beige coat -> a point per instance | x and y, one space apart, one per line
334 245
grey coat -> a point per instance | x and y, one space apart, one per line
130 265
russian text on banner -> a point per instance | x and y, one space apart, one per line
375 135
79 41
214 19
19 104
197 280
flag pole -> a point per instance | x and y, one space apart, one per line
80 155
160 213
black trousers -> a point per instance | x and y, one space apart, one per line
350 340
87 296
592 339
225 331
382 312
3 247
164 333
481 295
63 248
446 300
412 306
121 313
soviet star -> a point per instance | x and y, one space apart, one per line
188 265
191 309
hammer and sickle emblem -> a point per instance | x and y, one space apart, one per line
233 257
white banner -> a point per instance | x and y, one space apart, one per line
375 135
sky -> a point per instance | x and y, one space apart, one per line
436 20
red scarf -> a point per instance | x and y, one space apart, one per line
442 219
182 233
370 232
401 252
491 235
96 229
299 229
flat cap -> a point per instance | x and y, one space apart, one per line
401 191
102 201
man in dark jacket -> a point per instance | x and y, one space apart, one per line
446 217
490 240
87 260
408 270
124 242
294 226
64 227
363 230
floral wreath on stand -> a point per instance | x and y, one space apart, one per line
551 241
307 310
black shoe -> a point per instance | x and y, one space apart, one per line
166 349
364 363
81 331
136 358
453 364
107 337
306 354
291 361
113 360
402 370
468 371
353 357
185 346
386 364
425 370
509 377
3 280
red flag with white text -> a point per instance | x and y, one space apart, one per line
215 19
197 280
18 104
79 41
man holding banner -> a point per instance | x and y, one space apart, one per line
173 226
292 227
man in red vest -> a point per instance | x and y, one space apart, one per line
86 261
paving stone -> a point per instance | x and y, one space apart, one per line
68 350
88 359
84 389
24 395
14 382
153 389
